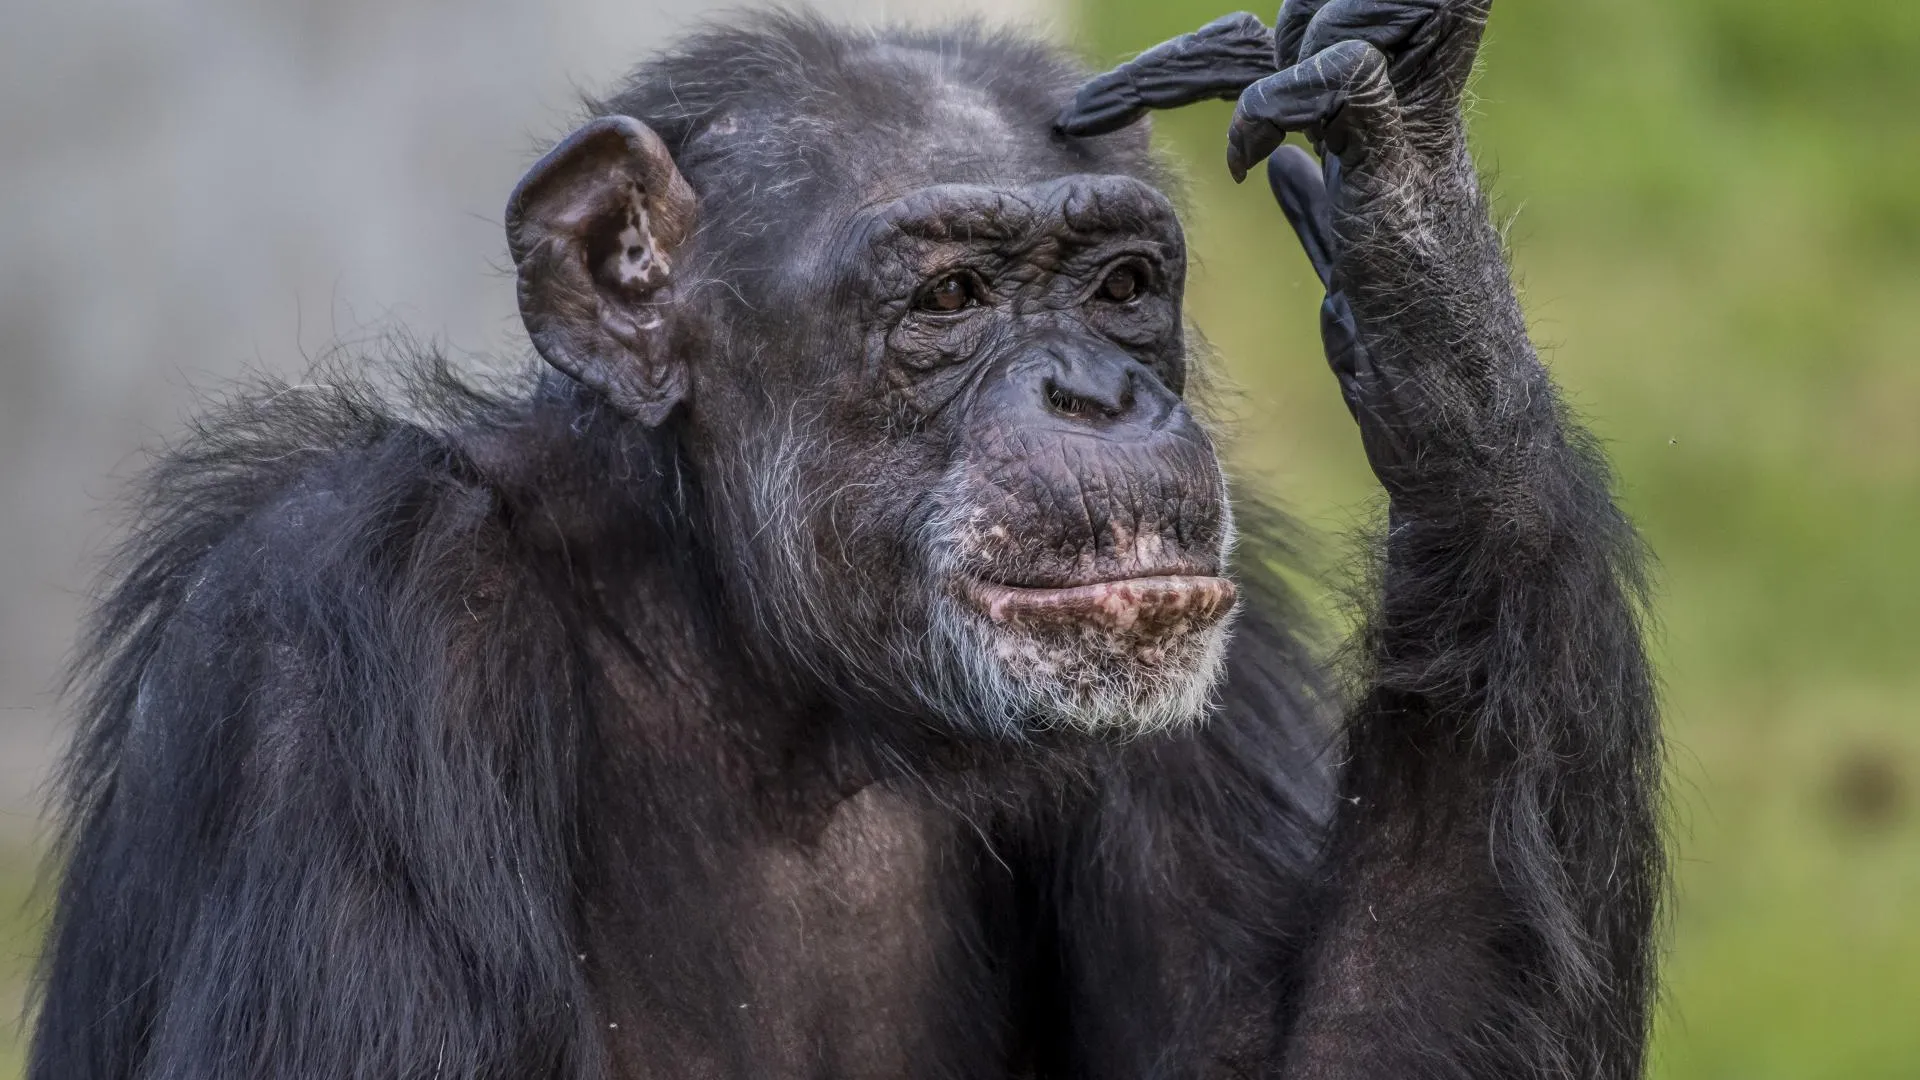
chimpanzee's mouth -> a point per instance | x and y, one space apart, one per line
1148 607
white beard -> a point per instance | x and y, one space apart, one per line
1009 680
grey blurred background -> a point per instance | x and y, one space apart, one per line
192 188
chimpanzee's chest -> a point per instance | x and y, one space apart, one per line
871 950
903 940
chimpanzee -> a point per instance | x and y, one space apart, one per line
841 664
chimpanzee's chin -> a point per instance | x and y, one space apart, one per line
1112 663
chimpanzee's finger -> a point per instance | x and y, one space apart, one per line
1302 193
1340 333
1369 393
1215 62
1290 30
1429 44
1395 27
1340 98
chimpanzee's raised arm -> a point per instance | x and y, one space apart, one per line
1486 899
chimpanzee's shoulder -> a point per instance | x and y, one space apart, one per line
286 496
302 470
367 499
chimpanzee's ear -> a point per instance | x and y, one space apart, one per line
594 229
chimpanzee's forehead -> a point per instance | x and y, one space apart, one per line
952 124
1083 205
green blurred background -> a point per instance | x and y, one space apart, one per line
1715 211
1715 216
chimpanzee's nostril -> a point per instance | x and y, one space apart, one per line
1081 406
1066 402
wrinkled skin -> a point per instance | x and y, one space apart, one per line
1063 466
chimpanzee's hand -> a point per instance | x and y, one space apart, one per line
1402 64
1376 86
1349 74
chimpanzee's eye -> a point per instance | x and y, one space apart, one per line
954 292
1123 283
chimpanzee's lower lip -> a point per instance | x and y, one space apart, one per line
1145 606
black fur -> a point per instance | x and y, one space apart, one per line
424 734
326 812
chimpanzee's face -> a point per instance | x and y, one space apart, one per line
933 395
974 479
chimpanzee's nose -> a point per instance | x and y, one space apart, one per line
1100 386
